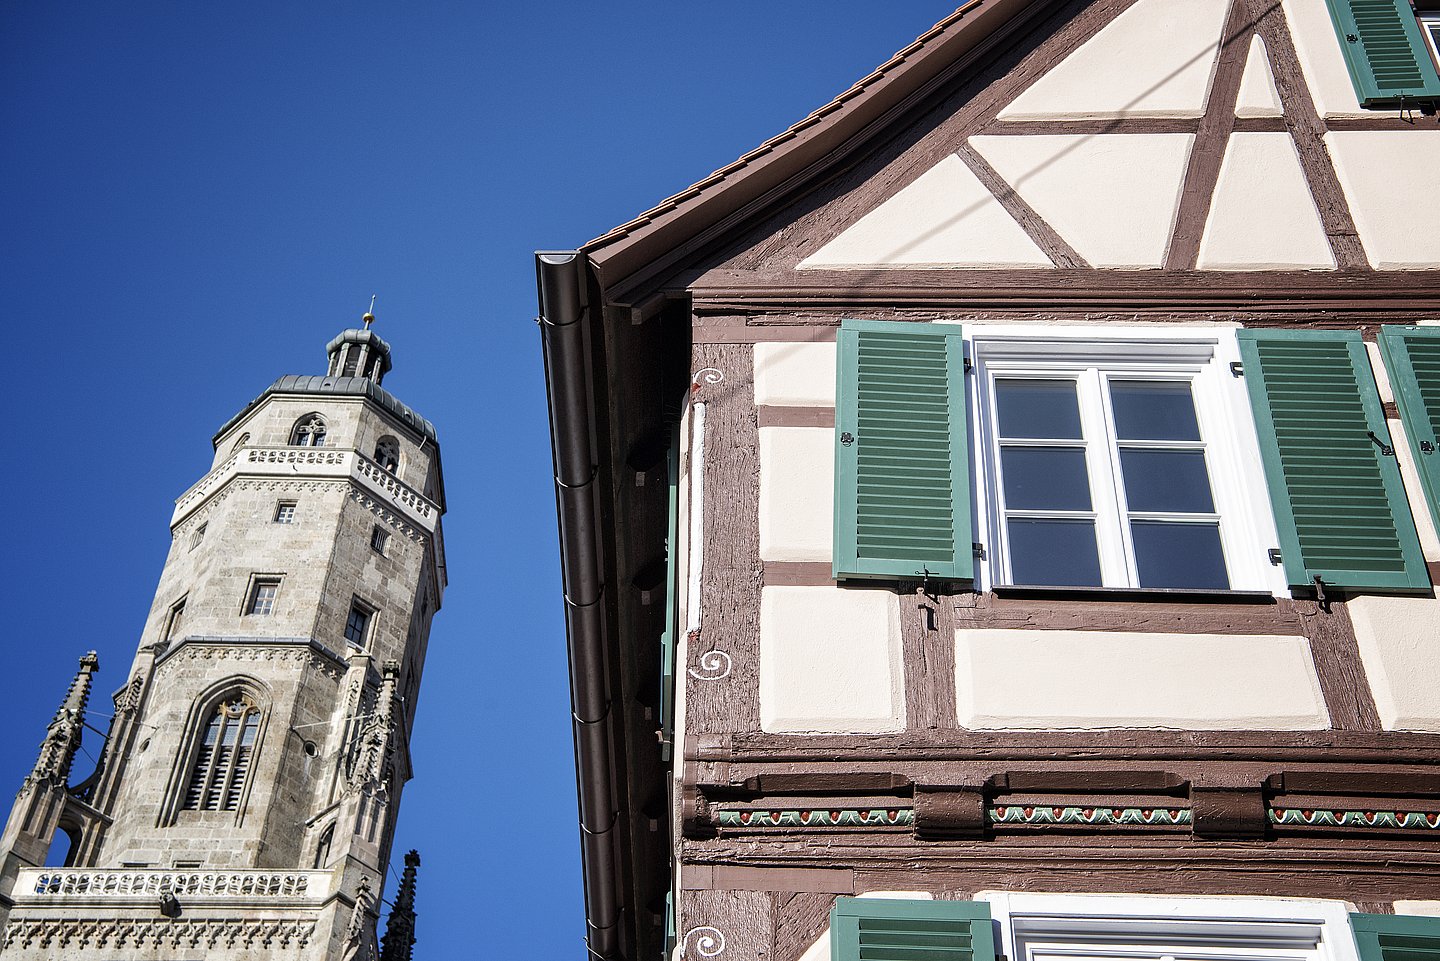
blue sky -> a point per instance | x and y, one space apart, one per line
197 196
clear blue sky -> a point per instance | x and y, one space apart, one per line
196 196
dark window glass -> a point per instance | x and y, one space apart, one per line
1179 555
1038 408
1153 410
1174 481
356 625
1045 478
1053 553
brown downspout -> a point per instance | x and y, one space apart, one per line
563 312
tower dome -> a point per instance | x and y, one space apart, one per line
359 352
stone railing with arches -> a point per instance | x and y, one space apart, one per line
309 462
46 885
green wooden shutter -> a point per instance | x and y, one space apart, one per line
1412 356
876 929
1338 500
902 489
1390 937
1388 57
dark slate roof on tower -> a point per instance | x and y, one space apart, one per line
344 386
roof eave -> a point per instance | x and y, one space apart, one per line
658 239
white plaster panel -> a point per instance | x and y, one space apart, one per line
795 375
945 218
1262 216
797 493
1113 197
1398 645
1154 60
830 661
1424 909
1389 178
1322 61
1024 679
1258 96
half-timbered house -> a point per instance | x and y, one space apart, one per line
998 514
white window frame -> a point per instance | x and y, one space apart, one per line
1222 407
1429 23
1044 927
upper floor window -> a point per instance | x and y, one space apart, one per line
378 537
263 592
198 535
285 512
387 454
1390 50
309 431
224 758
1100 473
1177 459
240 442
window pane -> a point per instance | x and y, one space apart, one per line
1148 410
1045 478
1038 408
1053 553
1167 480
1179 555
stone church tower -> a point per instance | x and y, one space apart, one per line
247 792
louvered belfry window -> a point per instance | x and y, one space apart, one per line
879 929
1334 479
225 757
902 489
1386 52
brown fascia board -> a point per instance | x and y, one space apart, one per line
637 250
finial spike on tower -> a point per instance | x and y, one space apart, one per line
369 317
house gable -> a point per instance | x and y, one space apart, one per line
1104 136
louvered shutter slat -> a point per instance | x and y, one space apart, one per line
878 929
902 493
1339 502
1412 357
1388 57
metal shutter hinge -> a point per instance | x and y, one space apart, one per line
969 365
978 550
1237 369
1274 555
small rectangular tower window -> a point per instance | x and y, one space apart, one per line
378 538
198 536
263 592
357 624
174 619
285 512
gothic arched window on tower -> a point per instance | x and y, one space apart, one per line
387 453
225 756
309 432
